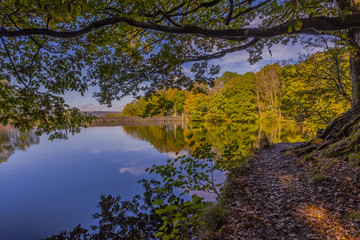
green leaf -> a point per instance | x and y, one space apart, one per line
298 25
159 211
192 143
187 203
290 27
158 202
198 206
170 208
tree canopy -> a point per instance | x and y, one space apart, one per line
130 47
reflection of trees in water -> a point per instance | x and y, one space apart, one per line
173 138
168 138
11 140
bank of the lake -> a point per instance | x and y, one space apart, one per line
139 121
278 195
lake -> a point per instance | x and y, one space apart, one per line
50 186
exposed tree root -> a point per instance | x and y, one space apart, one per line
341 138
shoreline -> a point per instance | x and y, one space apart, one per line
132 121
283 196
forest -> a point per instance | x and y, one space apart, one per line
311 92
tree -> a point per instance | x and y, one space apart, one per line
50 47
268 90
196 106
162 103
239 93
311 92
178 98
134 108
332 65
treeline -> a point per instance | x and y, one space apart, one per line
313 91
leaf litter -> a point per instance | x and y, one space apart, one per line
280 196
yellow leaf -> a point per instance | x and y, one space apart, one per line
297 25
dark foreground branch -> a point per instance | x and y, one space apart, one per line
314 26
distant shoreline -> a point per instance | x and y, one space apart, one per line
100 113
130 121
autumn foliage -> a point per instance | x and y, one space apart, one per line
312 92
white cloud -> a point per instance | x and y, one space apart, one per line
174 155
238 61
134 171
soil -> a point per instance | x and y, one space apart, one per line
280 196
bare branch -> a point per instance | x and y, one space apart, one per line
224 52
13 65
201 5
32 63
250 9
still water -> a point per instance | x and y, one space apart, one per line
50 186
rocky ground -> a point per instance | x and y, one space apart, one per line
279 196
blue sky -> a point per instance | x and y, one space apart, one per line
233 62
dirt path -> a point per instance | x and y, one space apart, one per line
273 198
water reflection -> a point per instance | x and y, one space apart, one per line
164 138
56 185
171 139
11 140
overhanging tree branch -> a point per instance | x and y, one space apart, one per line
313 26
224 52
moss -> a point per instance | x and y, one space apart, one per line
352 216
354 159
357 148
355 215
317 141
341 137
318 179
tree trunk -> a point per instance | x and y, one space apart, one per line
354 38
355 67
258 100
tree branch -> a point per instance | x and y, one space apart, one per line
13 65
201 5
32 63
313 26
229 16
249 9
224 52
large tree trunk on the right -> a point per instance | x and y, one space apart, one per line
354 40
354 37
